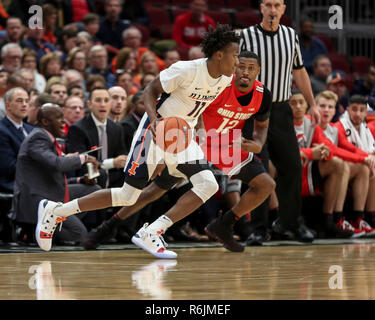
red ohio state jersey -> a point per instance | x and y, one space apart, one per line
224 120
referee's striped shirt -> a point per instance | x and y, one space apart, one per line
279 52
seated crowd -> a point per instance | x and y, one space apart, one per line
71 100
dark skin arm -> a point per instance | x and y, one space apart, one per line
150 95
259 137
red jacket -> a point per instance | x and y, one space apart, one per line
187 34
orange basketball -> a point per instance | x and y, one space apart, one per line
173 134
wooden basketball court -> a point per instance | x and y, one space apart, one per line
288 270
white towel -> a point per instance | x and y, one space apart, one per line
362 139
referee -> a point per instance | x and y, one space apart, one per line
281 62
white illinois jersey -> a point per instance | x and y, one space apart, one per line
189 90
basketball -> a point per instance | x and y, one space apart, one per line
173 135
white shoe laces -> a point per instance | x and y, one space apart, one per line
346 224
143 234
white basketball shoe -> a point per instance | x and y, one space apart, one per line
47 222
153 243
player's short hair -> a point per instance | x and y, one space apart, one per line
249 55
357 99
327 94
218 39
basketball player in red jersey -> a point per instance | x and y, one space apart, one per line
244 98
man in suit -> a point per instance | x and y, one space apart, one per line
96 129
12 132
40 173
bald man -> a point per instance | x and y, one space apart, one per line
40 173
118 103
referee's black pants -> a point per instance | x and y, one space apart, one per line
283 150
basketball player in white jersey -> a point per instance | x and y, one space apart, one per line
186 88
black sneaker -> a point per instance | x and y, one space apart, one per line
335 231
303 234
257 237
99 235
224 234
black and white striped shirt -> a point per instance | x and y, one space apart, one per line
279 53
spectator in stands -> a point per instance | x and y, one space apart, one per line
148 64
125 60
170 57
3 82
189 28
67 40
91 25
49 22
73 110
352 125
50 65
11 57
58 90
135 12
131 121
364 87
35 105
95 81
118 103
336 83
40 173
84 42
357 172
96 129
311 47
98 60
111 28
73 78
12 133
34 40
77 60
124 79
29 62
323 172
322 68
14 29
132 38
195 53
28 77
146 79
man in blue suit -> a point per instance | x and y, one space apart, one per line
12 132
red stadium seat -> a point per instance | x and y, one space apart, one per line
178 11
181 3
247 18
216 4
219 17
327 41
360 65
286 20
239 4
159 19
145 33
339 62
349 81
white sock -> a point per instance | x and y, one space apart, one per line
160 225
67 209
